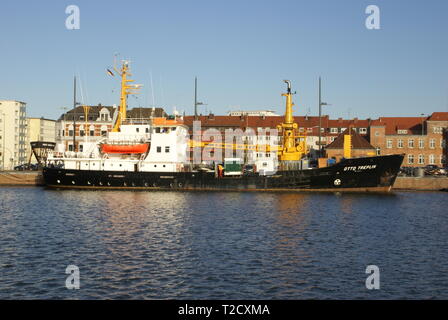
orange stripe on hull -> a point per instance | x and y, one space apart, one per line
117 148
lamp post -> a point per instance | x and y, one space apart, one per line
320 116
196 102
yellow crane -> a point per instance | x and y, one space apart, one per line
294 145
234 146
126 89
292 148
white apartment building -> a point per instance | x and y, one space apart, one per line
13 134
255 113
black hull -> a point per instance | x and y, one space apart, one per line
358 174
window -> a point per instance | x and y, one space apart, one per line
411 143
438 130
167 149
81 147
402 131
400 143
137 129
333 130
92 133
159 149
103 133
432 143
410 159
421 143
82 133
70 133
421 159
432 159
362 130
389 144
70 147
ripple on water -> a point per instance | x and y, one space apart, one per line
165 245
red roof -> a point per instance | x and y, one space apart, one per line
305 122
413 125
439 116
358 142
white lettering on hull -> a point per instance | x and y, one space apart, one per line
360 168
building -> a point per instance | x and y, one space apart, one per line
255 113
83 127
422 139
39 129
308 125
13 133
360 147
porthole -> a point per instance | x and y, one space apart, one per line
108 183
73 182
88 182
146 184
124 184
100 183
154 184
58 181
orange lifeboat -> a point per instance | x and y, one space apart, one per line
125 148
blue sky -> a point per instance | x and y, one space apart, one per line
239 50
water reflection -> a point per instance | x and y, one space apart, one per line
219 245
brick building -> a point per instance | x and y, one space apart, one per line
422 139
360 147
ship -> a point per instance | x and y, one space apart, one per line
157 155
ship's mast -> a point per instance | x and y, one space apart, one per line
292 148
125 90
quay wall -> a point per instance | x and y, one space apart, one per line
421 183
21 178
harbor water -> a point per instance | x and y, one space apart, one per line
195 245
